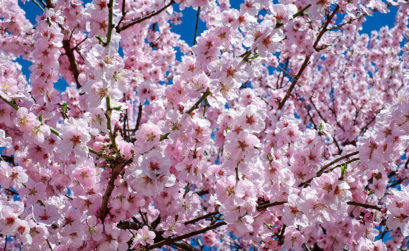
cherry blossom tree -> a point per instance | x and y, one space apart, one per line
281 126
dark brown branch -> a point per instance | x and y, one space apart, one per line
200 218
71 58
49 4
272 204
307 58
173 240
128 225
123 15
184 246
322 170
201 192
140 20
196 105
118 167
169 241
296 78
79 44
197 24
353 203
5 243
316 109
281 235
11 191
138 120
325 27
322 117
9 159
345 163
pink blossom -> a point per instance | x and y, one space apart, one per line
145 236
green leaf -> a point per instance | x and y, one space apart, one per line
343 170
64 110
100 39
255 56
246 56
320 128
164 136
269 157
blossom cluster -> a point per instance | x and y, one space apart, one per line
282 126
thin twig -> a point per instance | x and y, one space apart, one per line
200 218
123 12
307 58
197 24
353 203
184 246
73 63
77 45
296 78
322 170
196 105
140 20
39 6
50 4
345 163
407 162
10 103
110 25
169 241
48 242
111 185
5 243
272 204
138 120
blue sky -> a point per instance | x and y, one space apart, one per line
186 29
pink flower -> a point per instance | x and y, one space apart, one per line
282 13
398 210
147 137
125 148
33 192
152 176
85 174
145 236
47 214
9 222
252 119
75 137
12 176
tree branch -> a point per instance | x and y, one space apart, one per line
110 25
196 105
322 170
197 24
10 103
140 20
272 204
105 198
71 58
200 218
173 240
307 58
353 203
138 120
